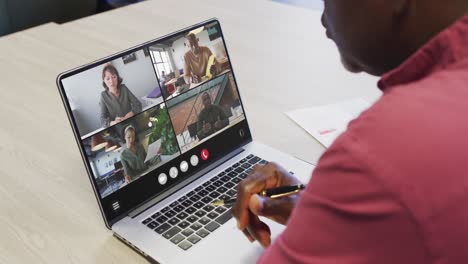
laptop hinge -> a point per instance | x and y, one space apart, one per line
143 207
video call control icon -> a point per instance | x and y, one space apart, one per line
184 166
173 172
194 160
162 178
204 154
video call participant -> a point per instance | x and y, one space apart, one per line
196 60
133 155
117 102
211 118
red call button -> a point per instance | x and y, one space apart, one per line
204 154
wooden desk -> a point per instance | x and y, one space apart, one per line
282 61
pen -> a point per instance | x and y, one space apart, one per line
271 193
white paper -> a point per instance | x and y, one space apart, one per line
325 123
153 149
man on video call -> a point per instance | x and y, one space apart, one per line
211 118
393 188
196 60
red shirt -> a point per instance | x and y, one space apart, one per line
394 187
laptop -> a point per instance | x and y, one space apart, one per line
175 153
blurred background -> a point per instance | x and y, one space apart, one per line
16 15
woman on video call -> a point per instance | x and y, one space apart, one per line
133 155
117 102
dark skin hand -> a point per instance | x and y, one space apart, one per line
249 206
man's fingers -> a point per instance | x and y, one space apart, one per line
259 230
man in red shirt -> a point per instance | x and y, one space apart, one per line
393 188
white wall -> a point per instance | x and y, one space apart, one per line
84 89
216 46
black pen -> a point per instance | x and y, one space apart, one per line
271 193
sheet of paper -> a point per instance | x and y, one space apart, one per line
325 123
153 149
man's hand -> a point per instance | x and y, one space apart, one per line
249 206
213 70
206 127
218 123
117 120
195 78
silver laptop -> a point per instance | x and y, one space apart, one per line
163 133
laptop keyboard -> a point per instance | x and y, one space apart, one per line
191 218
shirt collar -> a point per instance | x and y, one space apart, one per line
447 48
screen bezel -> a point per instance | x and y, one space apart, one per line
217 145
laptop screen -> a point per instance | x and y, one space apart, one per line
154 115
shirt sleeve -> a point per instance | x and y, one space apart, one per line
134 102
104 113
346 215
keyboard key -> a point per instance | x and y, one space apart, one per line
190 193
183 224
165 209
156 215
152 225
231 193
207 199
179 208
199 188
192 219
170 214
224 197
263 162
204 221
243 160
162 228
203 233
239 170
249 171
194 239
243 175
177 239
195 198
173 221
254 160
171 232
225 178
246 165
190 210
217 183
210 188
147 220
198 205
181 199
206 183
222 189
214 194
187 232
200 213
212 226
212 215
220 209
235 165
250 156
208 207
232 174
224 217
185 245
174 204
222 174
229 185
202 193
161 219
182 215
196 226
228 170
186 203
236 180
